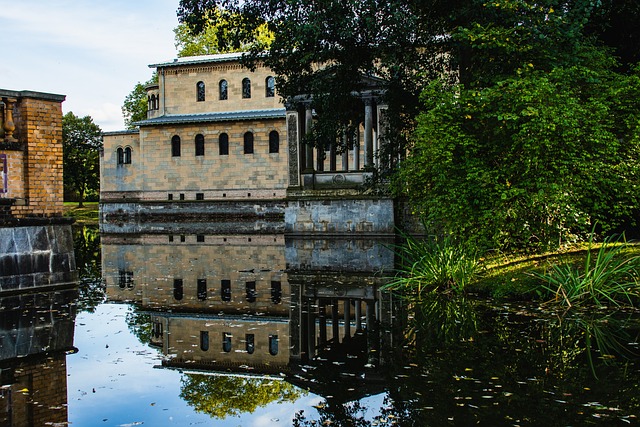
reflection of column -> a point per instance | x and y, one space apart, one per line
358 315
347 319
308 167
372 334
322 320
311 329
335 321
294 323
368 132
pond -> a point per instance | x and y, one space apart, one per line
179 328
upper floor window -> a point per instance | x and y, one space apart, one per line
199 145
246 88
175 146
270 87
274 142
223 144
248 143
124 155
178 289
224 90
200 91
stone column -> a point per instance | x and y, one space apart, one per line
293 141
308 167
368 132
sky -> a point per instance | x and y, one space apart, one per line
94 52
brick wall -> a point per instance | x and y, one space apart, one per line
38 140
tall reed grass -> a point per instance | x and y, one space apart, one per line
607 277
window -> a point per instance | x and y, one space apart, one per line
200 238
226 342
199 145
178 289
225 290
224 90
175 146
154 102
246 88
250 343
120 155
127 156
223 144
202 289
200 91
273 345
270 87
276 292
248 143
199 196
274 142
125 279
156 329
251 291
204 340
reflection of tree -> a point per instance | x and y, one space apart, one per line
86 245
139 324
223 396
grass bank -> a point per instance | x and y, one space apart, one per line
87 214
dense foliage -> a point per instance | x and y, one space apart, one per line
135 104
517 117
81 141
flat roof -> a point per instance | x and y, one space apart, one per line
190 60
32 94
225 116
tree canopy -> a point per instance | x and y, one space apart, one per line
81 142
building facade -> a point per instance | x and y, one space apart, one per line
219 143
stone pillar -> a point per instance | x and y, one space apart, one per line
308 167
368 132
293 141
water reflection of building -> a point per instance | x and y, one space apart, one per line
255 303
36 333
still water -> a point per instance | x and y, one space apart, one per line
262 330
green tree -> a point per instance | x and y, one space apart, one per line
81 142
225 396
135 104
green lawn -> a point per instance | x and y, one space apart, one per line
88 214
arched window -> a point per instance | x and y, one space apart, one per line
246 88
223 144
248 143
154 102
178 289
270 87
127 156
274 142
200 91
199 145
224 90
175 146
120 156
226 342
149 103
273 345
204 340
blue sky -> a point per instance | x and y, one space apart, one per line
94 52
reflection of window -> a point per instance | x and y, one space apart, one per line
226 342
175 146
274 142
225 290
251 291
156 329
204 340
246 88
178 289
276 292
200 91
125 279
202 289
273 345
224 91
270 85
223 143
248 143
199 145
250 344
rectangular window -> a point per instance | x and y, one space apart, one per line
199 196
202 289
251 291
200 238
170 196
181 196
225 290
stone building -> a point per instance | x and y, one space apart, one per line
36 246
219 143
